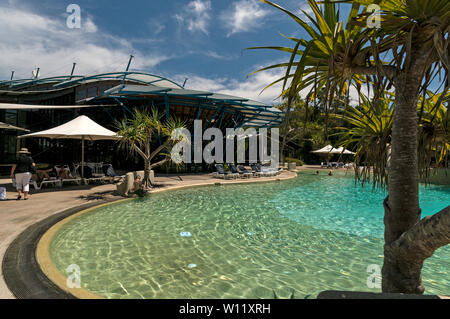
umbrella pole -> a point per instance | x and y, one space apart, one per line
82 156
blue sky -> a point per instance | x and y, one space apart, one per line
202 40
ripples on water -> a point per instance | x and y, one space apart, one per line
306 235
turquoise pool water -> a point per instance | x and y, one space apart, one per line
298 237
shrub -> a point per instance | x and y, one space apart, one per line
297 161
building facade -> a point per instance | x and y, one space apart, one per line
38 104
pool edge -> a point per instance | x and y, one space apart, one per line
21 270
46 263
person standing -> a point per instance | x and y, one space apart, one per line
22 170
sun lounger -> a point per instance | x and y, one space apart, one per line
256 170
244 171
234 170
221 173
38 186
267 171
54 182
76 180
100 179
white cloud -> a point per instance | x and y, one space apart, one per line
196 16
306 8
89 25
31 40
250 87
243 16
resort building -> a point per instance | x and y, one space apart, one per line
42 103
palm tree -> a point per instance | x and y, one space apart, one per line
434 135
322 66
414 34
138 134
368 131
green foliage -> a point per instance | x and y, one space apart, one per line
337 55
145 129
368 132
297 161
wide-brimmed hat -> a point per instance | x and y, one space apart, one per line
24 150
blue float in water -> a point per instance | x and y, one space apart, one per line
185 234
250 233
192 265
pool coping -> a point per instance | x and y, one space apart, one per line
21 270
28 269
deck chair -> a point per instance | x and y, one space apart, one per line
221 173
255 170
90 176
270 171
266 171
38 186
45 181
234 170
76 180
244 172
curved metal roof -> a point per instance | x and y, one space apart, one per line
255 113
139 77
65 81
140 84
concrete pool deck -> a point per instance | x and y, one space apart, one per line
16 216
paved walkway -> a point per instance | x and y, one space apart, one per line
16 216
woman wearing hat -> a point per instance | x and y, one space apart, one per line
22 170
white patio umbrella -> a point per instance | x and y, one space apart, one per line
341 150
80 128
324 150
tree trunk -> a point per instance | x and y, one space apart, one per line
286 130
412 248
402 209
146 181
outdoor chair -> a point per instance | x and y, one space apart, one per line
271 171
110 174
97 169
45 181
234 170
221 173
267 171
244 171
256 170
88 175
76 180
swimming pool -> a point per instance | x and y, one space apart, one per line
300 237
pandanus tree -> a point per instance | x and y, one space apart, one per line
368 127
414 38
144 130
318 65
367 130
